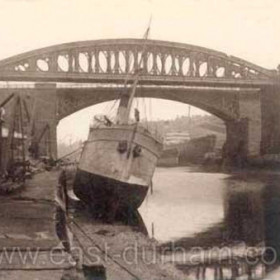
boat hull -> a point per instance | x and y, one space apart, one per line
116 167
106 195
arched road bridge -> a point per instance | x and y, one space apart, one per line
69 77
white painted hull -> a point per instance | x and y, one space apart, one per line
123 157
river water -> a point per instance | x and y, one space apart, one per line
188 208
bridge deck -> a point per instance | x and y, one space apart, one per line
119 79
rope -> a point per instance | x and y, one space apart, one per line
135 74
125 85
145 112
105 253
71 153
150 108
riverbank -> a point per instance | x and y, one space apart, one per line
27 233
30 248
188 208
253 166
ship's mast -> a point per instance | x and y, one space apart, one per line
189 119
127 97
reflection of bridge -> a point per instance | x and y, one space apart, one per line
244 95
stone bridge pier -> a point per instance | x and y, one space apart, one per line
256 130
270 102
244 133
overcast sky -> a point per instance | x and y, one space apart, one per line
249 29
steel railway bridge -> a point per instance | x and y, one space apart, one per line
69 77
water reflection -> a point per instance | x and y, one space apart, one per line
241 211
243 208
232 271
271 202
252 213
183 203
197 209
131 219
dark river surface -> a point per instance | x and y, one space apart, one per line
192 213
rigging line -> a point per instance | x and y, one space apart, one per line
144 100
145 108
125 85
69 154
132 94
128 74
145 112
137 103
114 104
136 73
103 251
150 108
106 108
197 101
141 104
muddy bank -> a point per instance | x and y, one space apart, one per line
28 228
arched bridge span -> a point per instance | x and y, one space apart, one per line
223 103
113 60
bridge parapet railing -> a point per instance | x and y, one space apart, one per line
120 58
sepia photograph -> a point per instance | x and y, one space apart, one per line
139 140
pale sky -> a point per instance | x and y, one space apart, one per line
249 29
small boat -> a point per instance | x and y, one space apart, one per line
118 159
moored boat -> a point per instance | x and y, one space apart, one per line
118 159
116 166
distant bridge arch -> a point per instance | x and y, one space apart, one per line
210 100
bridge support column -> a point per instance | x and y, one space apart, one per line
250 108
244 134
236 146
43 138
270 143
